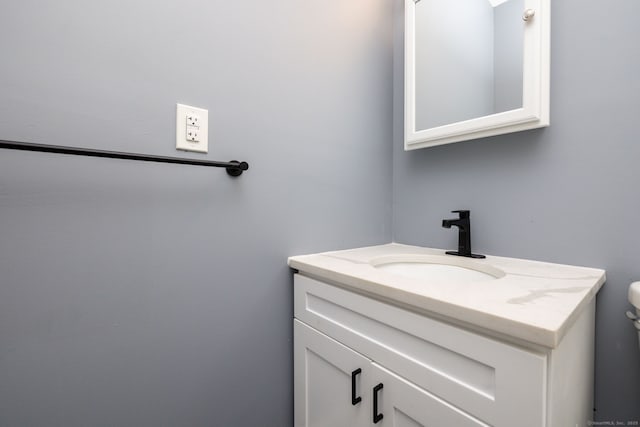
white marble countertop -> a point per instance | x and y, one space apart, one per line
533 301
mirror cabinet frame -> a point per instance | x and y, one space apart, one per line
536 70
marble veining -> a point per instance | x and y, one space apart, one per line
541 293
533 301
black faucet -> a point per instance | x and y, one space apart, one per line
464 234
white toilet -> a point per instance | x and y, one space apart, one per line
634 298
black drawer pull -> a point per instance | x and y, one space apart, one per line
376 416
355 399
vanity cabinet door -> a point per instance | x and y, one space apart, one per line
330 382
482 376
403 404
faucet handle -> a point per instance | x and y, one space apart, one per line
464 213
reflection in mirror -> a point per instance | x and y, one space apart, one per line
468 59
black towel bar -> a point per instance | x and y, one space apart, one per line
234 167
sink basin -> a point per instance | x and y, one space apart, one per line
437 269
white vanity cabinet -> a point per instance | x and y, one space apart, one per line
331 380
362 361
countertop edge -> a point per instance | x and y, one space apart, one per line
462 315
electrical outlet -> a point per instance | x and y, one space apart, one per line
193 134
192 129
193 119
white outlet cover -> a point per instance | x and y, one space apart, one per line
182 143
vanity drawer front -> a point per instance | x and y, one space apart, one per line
499 383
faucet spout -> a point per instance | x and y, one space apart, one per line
448 223
464 234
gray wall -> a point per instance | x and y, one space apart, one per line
135 294
567 193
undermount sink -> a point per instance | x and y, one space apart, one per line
443 269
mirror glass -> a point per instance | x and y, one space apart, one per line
468 59
474 68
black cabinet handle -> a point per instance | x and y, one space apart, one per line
355 399
376 416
